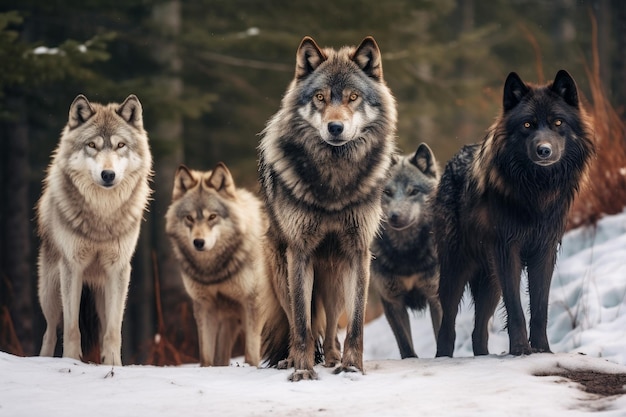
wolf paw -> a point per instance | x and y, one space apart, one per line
285 364
342 368
519 350
303 374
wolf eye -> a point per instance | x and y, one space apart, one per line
212 216
388 192
414 192
319 97
353 96
558 122
92 145
189 218
120 145
527 125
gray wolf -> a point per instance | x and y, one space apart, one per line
323 160
88 217
404 268
501 207
217 232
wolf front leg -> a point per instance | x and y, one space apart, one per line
540 270
300 276
356 283
71 289
115 292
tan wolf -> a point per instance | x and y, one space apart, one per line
89 215
324 158
217 233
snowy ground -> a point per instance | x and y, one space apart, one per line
587 326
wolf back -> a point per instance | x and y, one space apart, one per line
88 218
217 232
404 266
323 158
501 207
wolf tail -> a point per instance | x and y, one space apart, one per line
275 336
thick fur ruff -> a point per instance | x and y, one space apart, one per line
89 216
323 161
501 207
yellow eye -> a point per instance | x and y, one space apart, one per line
320 97
120 145
91 145
527 125
353 96
558 122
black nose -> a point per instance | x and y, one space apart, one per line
108 176
198 243
544 150
394 219
335 128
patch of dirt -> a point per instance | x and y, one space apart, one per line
594 382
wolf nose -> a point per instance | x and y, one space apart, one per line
544 150
108 176
198 243
335 128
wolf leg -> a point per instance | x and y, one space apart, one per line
486 297
71 289
356 282
115 292
253 324
540 270
300 278
207 325
508 269
228 330
435 313
330 299
451 286
50 300
398 319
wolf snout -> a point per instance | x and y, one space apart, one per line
335 128
198 244
544 150
108 177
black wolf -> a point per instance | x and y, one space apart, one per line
404 268
501 207
323 160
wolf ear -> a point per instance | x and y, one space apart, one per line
565 86
308 57
424 160
131 111
514 91
221 180
367 57
183 182
80 111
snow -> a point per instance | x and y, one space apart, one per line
586 326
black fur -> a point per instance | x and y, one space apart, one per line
501 207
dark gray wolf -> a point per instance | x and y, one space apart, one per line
217 233
501 207
88 217
324 158
404 268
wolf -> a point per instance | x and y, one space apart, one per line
404 267
501 207
323 160
217 232
95 192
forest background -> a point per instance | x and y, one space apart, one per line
209 73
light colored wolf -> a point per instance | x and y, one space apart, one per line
89 215
217 233
324 157
404 268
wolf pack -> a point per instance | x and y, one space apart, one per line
340 210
